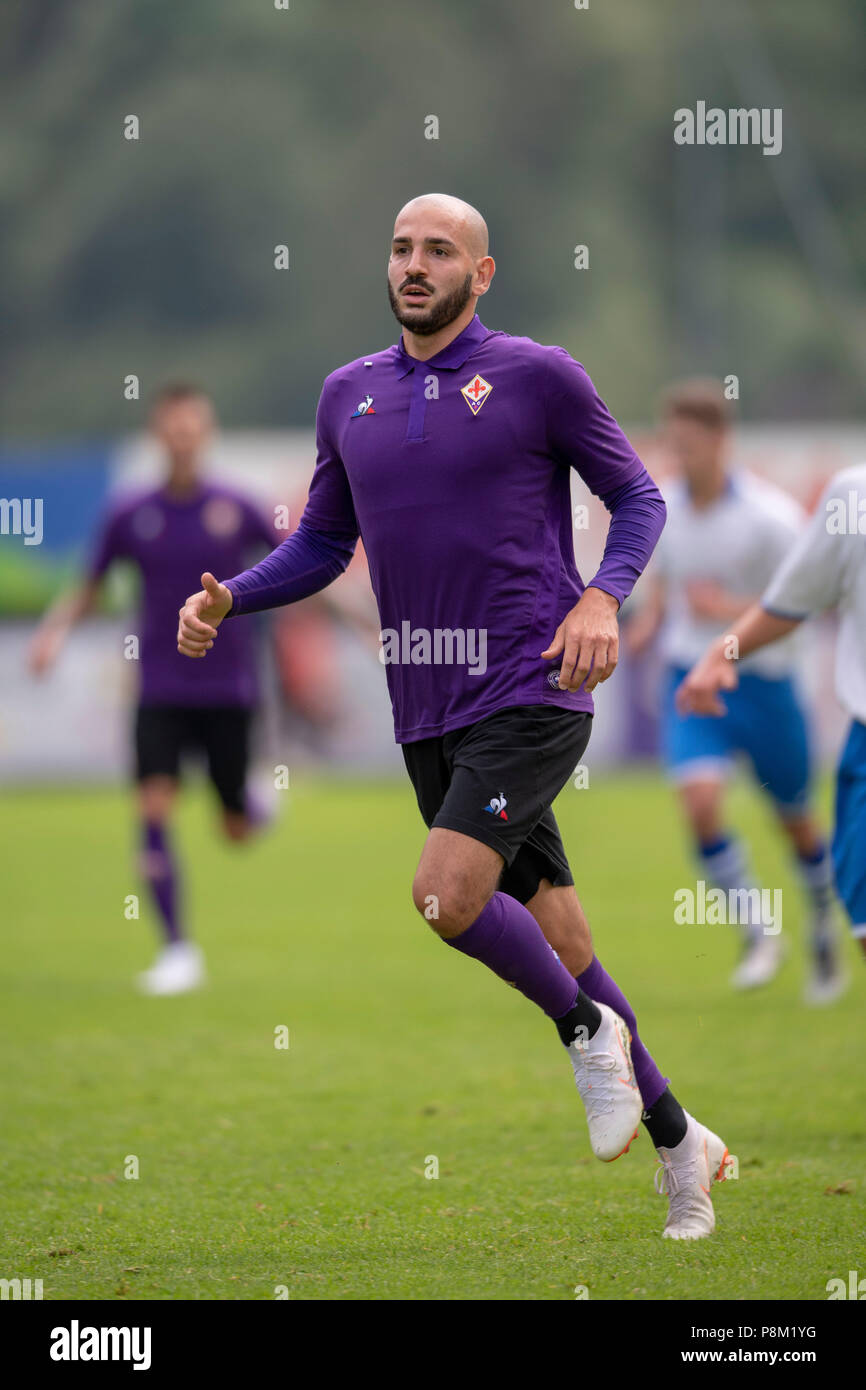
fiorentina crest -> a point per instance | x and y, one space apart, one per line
475 393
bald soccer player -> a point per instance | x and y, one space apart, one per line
450 455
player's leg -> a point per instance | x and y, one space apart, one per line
158 743
455 891
776 739
481 791
698 752
224 733
156 798
692 1156
558 912
541 878
826 980
849 835
723 861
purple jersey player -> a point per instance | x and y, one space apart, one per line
450 454
169 534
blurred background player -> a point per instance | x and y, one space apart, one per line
825 569
167 533
726 534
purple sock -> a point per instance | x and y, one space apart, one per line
158 868
506 937
599 986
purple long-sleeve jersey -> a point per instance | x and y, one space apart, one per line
172 541
455 473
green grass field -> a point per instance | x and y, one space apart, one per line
262 1167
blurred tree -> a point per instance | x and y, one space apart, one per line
306 127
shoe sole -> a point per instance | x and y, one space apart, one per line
719 1174
631 1065
622 1151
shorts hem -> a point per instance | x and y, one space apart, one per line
477 832
789 810
719 767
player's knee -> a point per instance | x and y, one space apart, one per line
236 826
706 823
156 797
448 904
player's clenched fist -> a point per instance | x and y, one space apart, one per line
200 617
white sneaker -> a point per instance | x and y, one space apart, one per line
178 968
262 801
686 1173
827 976
825 985
760 963
604 1075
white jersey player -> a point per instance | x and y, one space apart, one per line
727 532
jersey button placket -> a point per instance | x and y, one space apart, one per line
417 407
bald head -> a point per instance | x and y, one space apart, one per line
467 227
438 267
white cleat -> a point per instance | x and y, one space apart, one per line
760 964
686 1173
604 1075
262 801
179 967
825 984
827 977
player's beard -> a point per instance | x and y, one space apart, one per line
445 311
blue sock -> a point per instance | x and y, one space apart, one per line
725 865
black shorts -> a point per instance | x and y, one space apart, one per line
496 780
164 733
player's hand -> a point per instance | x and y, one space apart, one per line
44 650
201 615
587 639
699 692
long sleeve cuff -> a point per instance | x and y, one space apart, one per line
637 518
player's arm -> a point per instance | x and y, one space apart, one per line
304 564
58 622
716 670
643 628
583 433
808 580
69 609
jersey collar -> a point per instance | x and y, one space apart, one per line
452 356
